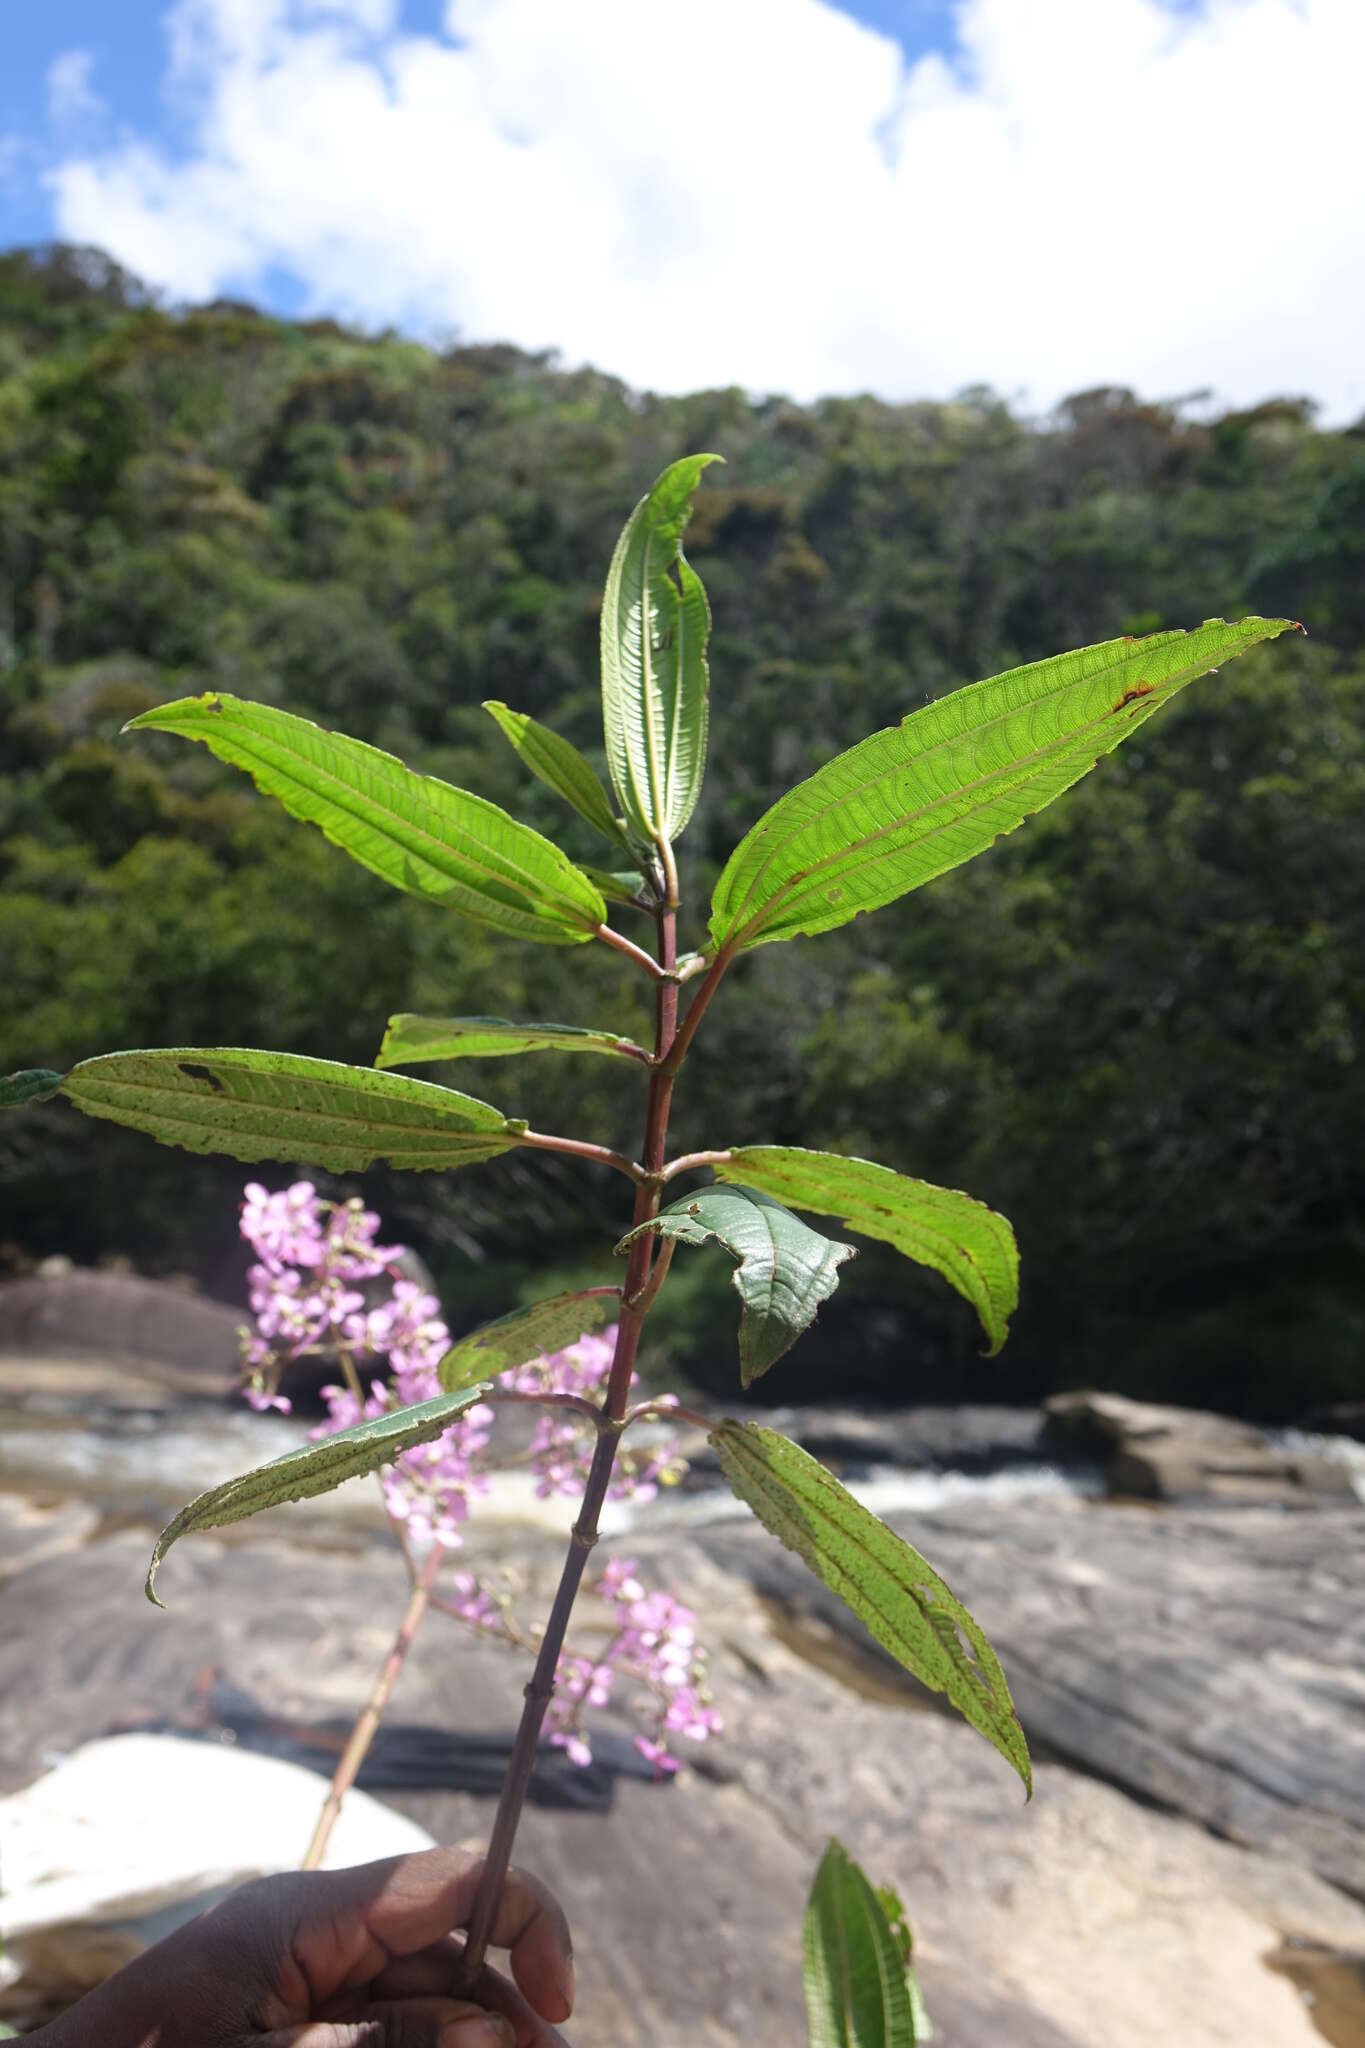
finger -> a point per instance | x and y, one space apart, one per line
531 1924
415 2023
439 1971
358 1921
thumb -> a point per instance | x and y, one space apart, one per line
408 2023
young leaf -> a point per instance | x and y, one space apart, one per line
409 1040
525 1334
855 1979
918 798
416 832
559 764
893 1592
969 1244
655 620
784 1269
32 1084
313 1468
617 885
277 1105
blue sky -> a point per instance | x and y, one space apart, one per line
906 196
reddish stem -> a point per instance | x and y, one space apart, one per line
540 1690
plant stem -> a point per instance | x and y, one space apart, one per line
580 1148
622 944
363 1733
540 1691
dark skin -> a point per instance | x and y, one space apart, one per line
363 1958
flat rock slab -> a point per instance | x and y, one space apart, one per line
1209 1660
1083 1921
75 1310
1189 1454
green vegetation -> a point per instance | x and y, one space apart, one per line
1134 1029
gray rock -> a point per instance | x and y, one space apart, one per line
1187 1454
118 1315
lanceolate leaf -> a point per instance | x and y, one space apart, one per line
515 1339
910 802
559 764
655 620
969 1244
855 1978
276 1105
420 834
409 1040
33 1084
784 1269
313 1468
899 1598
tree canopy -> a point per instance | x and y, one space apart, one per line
1138 1029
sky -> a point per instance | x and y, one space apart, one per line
802 196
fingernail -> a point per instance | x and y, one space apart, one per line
490 2030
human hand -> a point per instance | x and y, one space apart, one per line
358 1958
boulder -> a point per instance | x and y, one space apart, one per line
64 1311
1188 1454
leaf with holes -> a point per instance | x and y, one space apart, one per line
418 833
900 1599
277 1105
908 803
969 1244
313 1468
655 621
559 764
857 1995
527 1333
783 1271
409 1040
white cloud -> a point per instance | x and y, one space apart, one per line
762 192
71 96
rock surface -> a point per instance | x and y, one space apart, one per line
1083 1921
72 1310
1187 1454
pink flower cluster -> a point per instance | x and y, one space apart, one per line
654 1647
322 1285
561 1450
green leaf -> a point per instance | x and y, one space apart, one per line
898 1921
969 1244
618 885
784 1268
420 834
313 1468
908 803
525 1334
559 764
655 620
31 1084
277 1105
856 1991
900 1599
410 1040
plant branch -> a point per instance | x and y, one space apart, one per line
622 944
658 1273
696 1010
363 1733
668 1411
581 1148
579 1402
688 1162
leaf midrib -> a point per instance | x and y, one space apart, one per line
766 1480
1029 764
521 879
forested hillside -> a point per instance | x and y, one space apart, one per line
1137 1027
